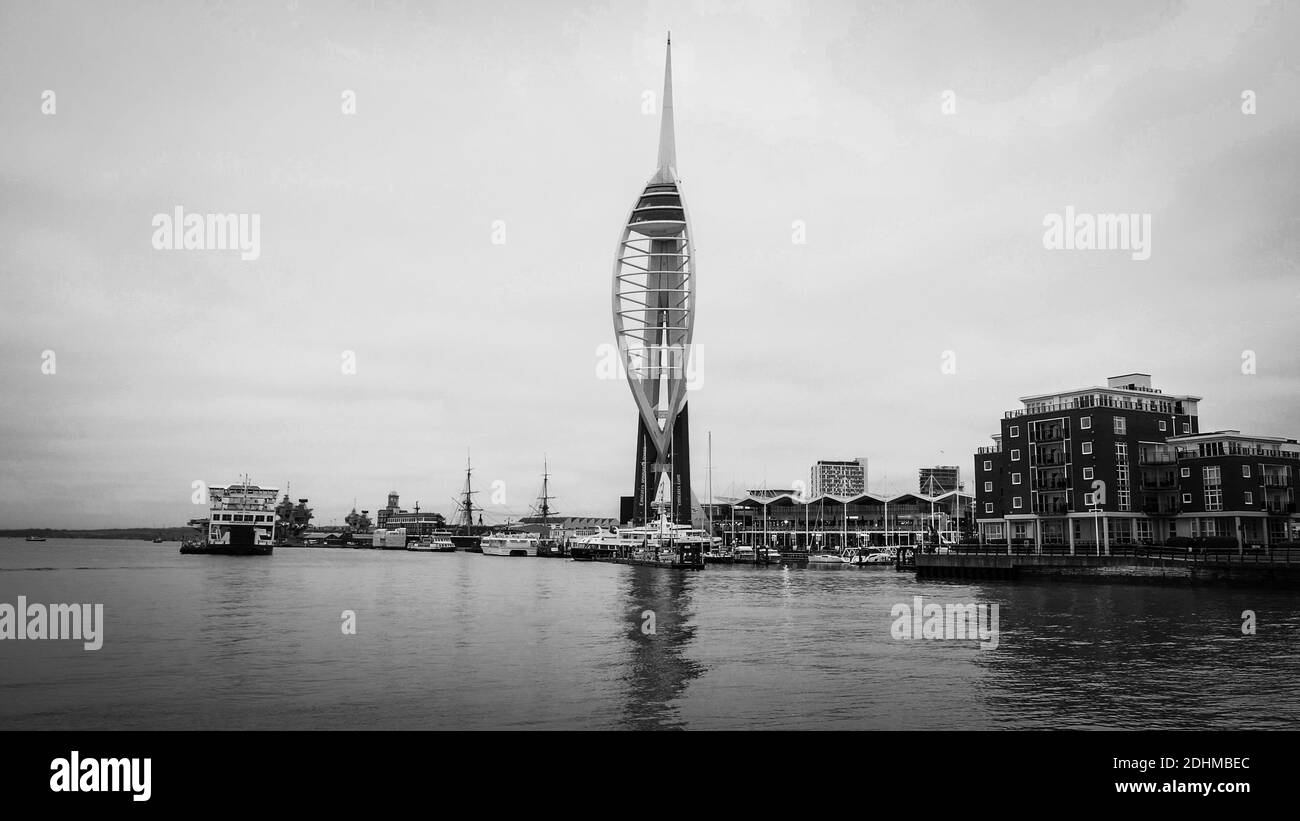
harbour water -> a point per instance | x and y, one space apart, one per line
466 641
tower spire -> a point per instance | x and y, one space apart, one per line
667 168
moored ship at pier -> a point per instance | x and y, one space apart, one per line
241 522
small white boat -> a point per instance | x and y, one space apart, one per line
433 544
744 554
853 555
510 544
825 558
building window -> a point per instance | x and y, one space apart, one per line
1087 473
988 464
1015 456
1163 427
1087 499
988 507
1187 428
1015 478
1213 488
1250 498
1014 433
1187 498
988 487
1085 422
1185 473
1120 427
1087 448
1245 471
1015 502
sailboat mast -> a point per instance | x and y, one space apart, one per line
709 471
469 499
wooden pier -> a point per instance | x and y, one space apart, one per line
678 565
1123 563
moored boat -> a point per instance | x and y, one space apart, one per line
35 538
825 558
241 522
435 543
510 544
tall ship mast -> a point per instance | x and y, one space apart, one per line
466 539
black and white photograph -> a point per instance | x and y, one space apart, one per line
590 368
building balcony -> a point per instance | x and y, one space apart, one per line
1051 435
1157 459
1280 508
1157 509
989 449
1158 484
1049 485
1275 480
1055 458
1051 508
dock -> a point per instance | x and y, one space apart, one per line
1125 563
682 565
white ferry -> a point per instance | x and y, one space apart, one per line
437 543
661 541
241 521
510 544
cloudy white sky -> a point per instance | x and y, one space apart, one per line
924 235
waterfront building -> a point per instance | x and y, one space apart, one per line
838 478
1128 463
654 320
938 479
827 522
392 516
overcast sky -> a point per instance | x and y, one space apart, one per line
924 234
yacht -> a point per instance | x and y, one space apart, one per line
825 557
437 543
510 544
35 538
660 541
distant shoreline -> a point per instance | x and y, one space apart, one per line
174 534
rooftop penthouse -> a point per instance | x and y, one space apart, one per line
1130 391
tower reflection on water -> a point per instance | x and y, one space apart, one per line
659 627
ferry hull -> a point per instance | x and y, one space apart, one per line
227 549
509 550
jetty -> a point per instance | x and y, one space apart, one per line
1119 563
